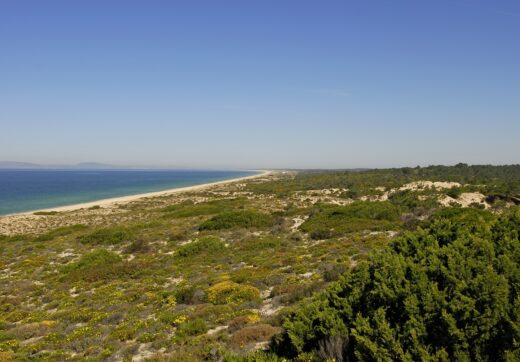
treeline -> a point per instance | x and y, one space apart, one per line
496 179
449 291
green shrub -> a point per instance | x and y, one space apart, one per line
330 221
408 200
109 236
192 327
238 219
450 292
208 244
94 259
454 192
5 336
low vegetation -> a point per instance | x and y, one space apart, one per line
237 219
332 221
351 265
448 291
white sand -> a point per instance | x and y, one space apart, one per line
125 199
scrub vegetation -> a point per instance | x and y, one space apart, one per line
399 264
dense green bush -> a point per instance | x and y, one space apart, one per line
192 327
408 200
94 259
450 292
329 221
454 192
462 217
109 236
237 219
206 244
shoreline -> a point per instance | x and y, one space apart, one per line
113 201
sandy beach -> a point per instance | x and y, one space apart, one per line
125 199
114 210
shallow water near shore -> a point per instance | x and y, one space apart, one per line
26 190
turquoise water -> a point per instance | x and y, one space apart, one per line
27 190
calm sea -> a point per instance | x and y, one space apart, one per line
27 190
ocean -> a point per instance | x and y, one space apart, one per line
28 190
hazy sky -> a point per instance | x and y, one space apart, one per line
249 84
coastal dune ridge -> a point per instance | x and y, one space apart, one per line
114 201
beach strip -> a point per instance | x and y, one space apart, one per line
125 199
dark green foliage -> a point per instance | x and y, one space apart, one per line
192 328
470 218
108 236
409 201
12 238
238 219
94 259
330 221
450 292
208 244
454 192
500 180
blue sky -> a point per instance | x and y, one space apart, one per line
251 84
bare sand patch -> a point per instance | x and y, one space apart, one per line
465 200
421 185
